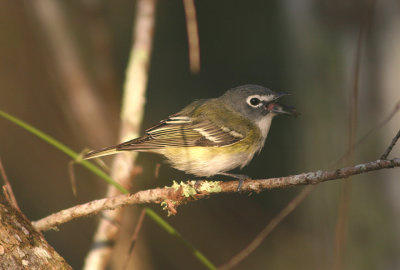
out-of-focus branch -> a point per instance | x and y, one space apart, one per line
84 107
344 206
178 194
135 237
131 116
193 35
375 128
243 254
102 48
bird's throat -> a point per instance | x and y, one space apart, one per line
264 124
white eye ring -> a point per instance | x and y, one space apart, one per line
254 101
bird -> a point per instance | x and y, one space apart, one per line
211 136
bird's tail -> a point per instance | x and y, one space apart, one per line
101 152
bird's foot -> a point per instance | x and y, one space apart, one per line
239 177
197 185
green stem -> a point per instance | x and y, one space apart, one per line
63 148
167 227
93 168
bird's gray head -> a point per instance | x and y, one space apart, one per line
256 102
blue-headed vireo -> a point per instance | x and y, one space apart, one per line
211 136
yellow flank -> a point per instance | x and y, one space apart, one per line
208 161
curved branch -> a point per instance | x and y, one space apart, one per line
178 194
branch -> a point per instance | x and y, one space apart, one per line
78 99
7 189
182 193
390 148
193 35
131 118
135 237
243 254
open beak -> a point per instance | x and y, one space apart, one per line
277 107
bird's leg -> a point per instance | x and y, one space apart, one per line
239 177
196 185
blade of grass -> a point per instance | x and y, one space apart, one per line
63 148
162 223
93 168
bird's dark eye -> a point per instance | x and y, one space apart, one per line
254 101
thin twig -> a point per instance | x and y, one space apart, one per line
342 221
395 110
392 144
186 192
267 230
193 35
7 189
135 236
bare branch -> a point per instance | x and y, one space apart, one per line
135 237
243 254
131 114
344 206
7 189
85 110
186 192
193 35
379 126
389 149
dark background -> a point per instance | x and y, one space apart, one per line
307 48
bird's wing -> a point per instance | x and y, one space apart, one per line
182 131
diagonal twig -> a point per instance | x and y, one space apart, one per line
79 100
392 144
135 237
268 229
7 189
378 126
